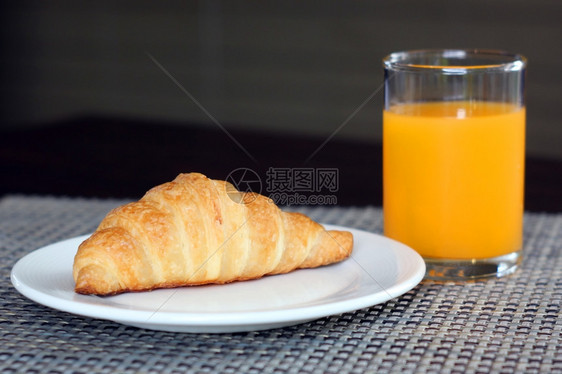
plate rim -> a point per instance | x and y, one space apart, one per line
280 317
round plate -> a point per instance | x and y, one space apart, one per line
378 270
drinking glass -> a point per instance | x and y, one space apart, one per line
453 159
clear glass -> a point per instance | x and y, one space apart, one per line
453 159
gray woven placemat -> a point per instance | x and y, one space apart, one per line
504 325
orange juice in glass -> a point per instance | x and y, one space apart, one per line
453 159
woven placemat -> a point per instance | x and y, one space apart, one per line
503 325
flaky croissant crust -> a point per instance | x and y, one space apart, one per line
194 231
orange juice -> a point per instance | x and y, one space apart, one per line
453 177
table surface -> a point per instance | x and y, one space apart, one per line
505 325
123 158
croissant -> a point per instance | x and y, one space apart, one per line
194 231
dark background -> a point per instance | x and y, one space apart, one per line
106 99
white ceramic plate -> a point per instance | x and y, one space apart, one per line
379 269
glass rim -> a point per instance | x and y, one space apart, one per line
499 60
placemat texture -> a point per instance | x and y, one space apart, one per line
504 325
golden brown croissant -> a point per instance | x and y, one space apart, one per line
195 230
